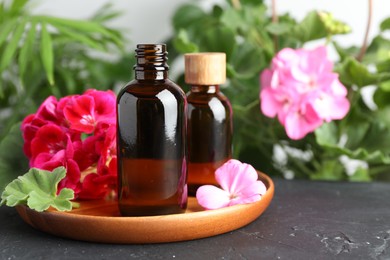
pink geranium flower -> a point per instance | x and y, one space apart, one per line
85 112
79 111
77 132
239 185
301 89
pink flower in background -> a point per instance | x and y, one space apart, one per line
77 132
239 186
302 91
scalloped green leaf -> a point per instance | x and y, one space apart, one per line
247 61
38 190
279 28
311 28
382 96
326 136
187 15
183 44
218 39
353 72
385 24
245 20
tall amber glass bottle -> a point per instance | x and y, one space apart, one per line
151 139
210 126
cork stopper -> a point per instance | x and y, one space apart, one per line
207 68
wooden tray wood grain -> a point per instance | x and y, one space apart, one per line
100 221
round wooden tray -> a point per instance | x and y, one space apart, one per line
100 221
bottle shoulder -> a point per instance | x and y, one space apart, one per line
202 97
151 87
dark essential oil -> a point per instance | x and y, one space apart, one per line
210 124
151 139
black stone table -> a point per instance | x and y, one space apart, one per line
306 220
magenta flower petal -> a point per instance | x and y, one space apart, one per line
49 139
104 102
47 110
330 108
79 133
211 197
80 113
254 189
234 176
270 105
299 124
238 183
302 91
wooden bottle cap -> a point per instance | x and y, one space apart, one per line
207 68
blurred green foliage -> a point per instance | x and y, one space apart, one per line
43 55
250 39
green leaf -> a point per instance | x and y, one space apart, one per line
17 7
6 28
330 170
183 44
353 72
89 27
250 2
12 160
26 51
279 28
41 202
385 86
378 51
82 38
325 136
234 20
105 13
186 16
383 66
345 53
69 79
47 54
245 20
382 95
360 174
332 25
385 24
2 12
218 39
311 28
38 190
217 11
247 61
12 46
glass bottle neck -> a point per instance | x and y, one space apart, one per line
151 62
151 75
205 89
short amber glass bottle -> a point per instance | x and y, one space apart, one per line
210 124
151 139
